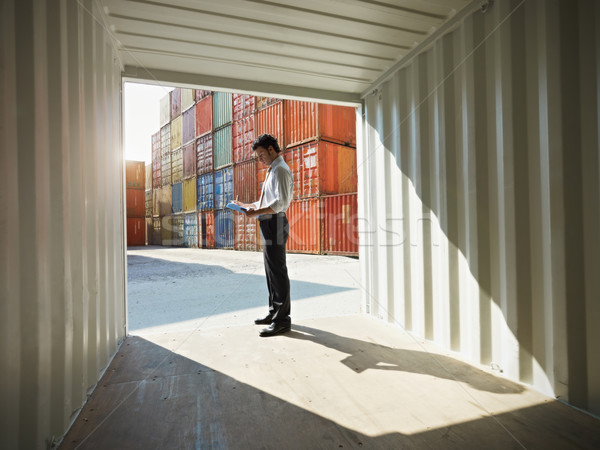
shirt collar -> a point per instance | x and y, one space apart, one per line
276 162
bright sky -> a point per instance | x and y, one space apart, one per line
141 103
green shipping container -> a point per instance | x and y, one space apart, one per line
221 104
222 147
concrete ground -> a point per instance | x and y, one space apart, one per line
195 374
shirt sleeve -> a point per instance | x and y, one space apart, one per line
282 188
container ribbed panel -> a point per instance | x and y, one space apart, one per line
221 106
222 147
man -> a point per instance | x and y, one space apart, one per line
270 210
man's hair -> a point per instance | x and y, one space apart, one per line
264 141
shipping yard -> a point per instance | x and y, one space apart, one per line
202 159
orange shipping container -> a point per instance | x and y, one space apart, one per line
304 217
308 121
243 105
270 120
135 174
136 203
244 181
340 224
136 228
204 116
244 232
321 168
206 229
242 136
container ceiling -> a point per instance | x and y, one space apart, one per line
333 49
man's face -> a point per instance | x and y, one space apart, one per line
266 156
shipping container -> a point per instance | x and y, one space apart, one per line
263 102
222 147
304 217
261 174
177 165
269 120
204 154
189 160
148 177
200 94
165 110
223 187
176 130
206 229
136 203
155 202
135 175
175 95
224 228
177 233
156 172
205 192
188 131
189 195
244 181
165 140
321 168
187 99
243 105
149 230
165 169
148 203
177 198
155 237
190 230
164 200
221 106
340 224
204 116
242 138
166 231
136 231
308 121
244 232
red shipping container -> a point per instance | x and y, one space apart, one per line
244 181
270 121
175 96
321 168
244 232
135 174
204 154
188 131
340 224
189 160
206 229
304 217
308 121
243 105
136 228
136 202
242 136
204 116
199 94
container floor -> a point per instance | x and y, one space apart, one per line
334 381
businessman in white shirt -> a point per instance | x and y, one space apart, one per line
270 209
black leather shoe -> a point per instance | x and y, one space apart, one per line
275 328
265 320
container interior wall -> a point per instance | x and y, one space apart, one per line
481 184
62 271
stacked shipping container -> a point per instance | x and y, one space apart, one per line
202 159
135 193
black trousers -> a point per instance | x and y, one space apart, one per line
274 234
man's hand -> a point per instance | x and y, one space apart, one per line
251 212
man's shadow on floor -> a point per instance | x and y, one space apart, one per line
367 355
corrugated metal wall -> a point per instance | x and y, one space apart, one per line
62 272
481 192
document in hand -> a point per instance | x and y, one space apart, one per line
236 207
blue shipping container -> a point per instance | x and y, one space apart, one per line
204 192
223 187
177 198
224 228
190 230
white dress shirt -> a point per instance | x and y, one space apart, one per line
278 187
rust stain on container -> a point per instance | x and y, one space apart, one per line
175 95
176 129
242 136
204 154
244 232
135 174
189 160
243 105
340 224
136 202
136 231
308 121
270 120
204 116
188 131
304 217
244 181
189 195
177 166
206 229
